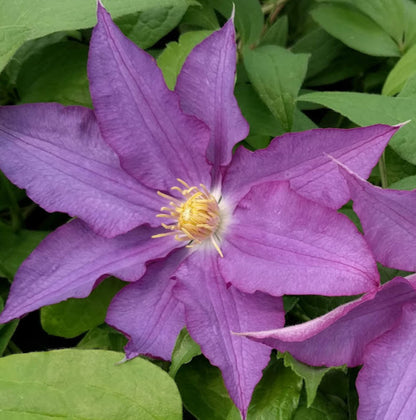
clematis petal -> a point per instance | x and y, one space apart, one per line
69 261
387 383
281 243
213 309
58 155
139 116
341 336
148 312
301 159
212 100
388 218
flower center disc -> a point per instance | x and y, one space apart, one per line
196 217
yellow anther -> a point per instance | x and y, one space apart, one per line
196 217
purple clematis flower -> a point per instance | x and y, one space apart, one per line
376 331
239 231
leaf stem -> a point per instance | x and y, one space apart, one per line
383 171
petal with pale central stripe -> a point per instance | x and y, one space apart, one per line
213 309
139 116
301 159
58 155
70 260
213 100
281 243
341 336
148 312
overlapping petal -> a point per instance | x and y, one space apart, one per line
387 383
212 100
341 336
388 218
302 159
213 309
57 154
139 116
148 312
69 261
281 243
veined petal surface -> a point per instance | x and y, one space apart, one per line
281 243
57 154
212 100
388 218
302 159
139 116
213 309
148 312
387 383
70 260
341 336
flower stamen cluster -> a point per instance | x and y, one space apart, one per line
197 217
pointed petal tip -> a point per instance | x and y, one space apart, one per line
233 13
402 124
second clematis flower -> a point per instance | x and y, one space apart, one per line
207 239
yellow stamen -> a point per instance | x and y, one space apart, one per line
196 217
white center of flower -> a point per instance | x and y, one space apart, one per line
196 216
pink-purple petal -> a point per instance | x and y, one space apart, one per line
147 311
70 260
302 159
281 243
57 154
388 218
341 336
206 89
213 309
387 382
139 116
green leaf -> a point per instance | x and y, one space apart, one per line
85 384
57 73
248 17
409 88
259 117
15 247
277 394
314 305
366 109
355 30
388 14
201 16
323 408
203 391
174 55
310 374
322 47
22 20
277 75
257 141
103 337
277 33
74 316
348 64
147 27
404 69
185 350
408 183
